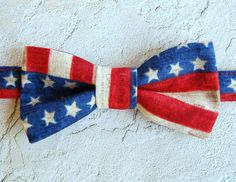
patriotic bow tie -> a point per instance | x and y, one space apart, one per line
179 88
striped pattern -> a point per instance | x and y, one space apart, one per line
64 65
103 79
184 111
59 64
173 125
116 88
208 100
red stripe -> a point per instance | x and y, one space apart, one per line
177 111
228 97
120 88
37 59
9 93
82 70
186 83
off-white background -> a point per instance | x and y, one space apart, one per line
117 145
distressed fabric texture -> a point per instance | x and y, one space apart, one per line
180 88
228 85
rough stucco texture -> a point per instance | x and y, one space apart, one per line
111 145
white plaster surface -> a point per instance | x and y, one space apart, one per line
111 145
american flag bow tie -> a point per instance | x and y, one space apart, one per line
179 88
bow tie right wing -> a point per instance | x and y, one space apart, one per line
179 89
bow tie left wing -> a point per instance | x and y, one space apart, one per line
57 90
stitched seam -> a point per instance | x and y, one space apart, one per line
10 69
228 73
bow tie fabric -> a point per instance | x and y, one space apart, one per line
180 88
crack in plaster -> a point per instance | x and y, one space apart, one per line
18 146
99 11
205 8
229 44
35 10
10 120
87 127
70 34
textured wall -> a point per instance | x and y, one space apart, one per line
117 145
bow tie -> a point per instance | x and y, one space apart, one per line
179 88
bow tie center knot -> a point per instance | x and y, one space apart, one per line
116 88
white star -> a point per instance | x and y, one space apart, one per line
152 74
70 84
49 118
48 82
233 84
182 45
135 91
92 102
205 43
25 80
175 69
72 109
11 80
199 64
34 101
26 124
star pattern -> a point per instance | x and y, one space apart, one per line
26 124
47 82
53 113
175 69
199 64
25 80
91 103
34 101
233 84
11 80
49 118
72 109
152 74
182 46
71 85
205 43
176 61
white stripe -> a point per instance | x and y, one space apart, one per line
209 100
60 64
24 60
172 125
103 78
